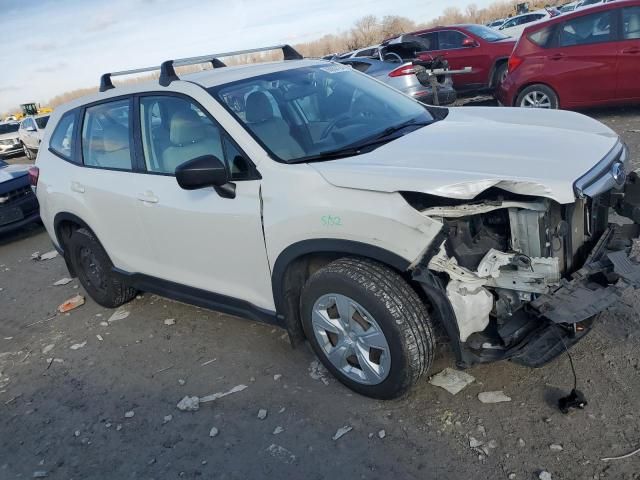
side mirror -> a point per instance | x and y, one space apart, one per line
205 171
469 42
30 129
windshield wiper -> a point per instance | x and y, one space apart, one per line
357 148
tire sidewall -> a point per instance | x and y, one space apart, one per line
82 239
398 378
555 102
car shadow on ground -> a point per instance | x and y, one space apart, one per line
27 231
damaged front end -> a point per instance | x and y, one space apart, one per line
521 277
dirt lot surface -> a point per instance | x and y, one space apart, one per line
82 397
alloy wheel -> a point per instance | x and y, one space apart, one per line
536 99
351 339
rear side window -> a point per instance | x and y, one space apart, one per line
61 142
449 39
42 122
541 37
105 135
430 41
631 23
585 30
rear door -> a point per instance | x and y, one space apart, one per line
29 133
628 77
582 60
107 186
201 239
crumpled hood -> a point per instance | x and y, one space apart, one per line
526 151
10 135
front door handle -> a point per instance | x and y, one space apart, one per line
148 197
632 50
77 187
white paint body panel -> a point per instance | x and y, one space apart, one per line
527 151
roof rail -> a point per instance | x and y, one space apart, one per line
107 84
168 73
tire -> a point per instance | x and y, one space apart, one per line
94 269
379 301
27 152
498 75
538 96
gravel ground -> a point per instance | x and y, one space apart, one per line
68 381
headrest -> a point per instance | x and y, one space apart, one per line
186 127
258 107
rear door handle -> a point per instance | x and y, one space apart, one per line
77 187
557 56
148 197
631 50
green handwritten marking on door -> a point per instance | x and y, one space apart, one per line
331 221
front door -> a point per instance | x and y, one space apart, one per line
628 75
201 239
462 51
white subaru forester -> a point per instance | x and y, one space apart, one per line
308 195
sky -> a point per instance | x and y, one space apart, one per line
53 46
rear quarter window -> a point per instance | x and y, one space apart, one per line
62 140
542 37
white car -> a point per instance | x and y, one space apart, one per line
514 26
496 23
31 133
308 195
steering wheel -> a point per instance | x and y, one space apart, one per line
392 55
333 124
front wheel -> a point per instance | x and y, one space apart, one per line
368 327
95 270
538 96
27 152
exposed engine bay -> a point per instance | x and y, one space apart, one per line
519 269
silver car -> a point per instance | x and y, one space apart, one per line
410 77
9 140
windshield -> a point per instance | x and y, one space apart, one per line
486 33
305 112
42 122
9 128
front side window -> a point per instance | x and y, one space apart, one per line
62 138
585 30
42 122
175 130
449 39
308 111
105 135
631 23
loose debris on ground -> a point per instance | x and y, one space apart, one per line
453 381
71 304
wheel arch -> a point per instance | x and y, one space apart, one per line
497 63
299 261
64 223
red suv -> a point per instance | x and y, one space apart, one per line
587 58
483 49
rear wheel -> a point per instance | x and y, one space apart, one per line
499 75
95 270
27 152
538 96
367 326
